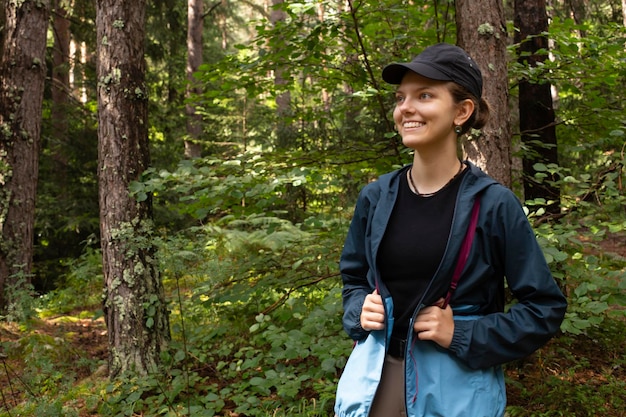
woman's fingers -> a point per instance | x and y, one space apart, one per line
373 312
436 324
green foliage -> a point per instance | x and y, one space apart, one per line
587 67
20 299
81 287
249 237
593 210
287 355
591 169
48 379
571 371
256 305
594 281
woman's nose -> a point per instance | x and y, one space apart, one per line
406 106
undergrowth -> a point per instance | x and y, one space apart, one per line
254 338
255 315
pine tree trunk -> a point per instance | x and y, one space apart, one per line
134 305
536 113
59 92
22 77
481 31
284 128
285 132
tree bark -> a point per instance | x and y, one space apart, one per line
22 77
285 132
481 31
536 112
59 92
193 149
284 129
134 304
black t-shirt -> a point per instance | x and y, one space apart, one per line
413 246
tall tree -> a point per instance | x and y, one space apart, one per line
536 112
284 131
134 305
60 68
481 31
22 77
59 91
193 149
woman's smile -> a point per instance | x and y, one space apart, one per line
412 125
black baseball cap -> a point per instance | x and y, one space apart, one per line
442 62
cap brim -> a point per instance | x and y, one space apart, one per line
393 73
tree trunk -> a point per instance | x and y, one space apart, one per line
193 149
22 77
134 305
578 10
285 132
59 92
481 31
284 129
536 113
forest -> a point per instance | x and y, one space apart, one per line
177 180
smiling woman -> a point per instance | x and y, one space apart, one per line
417 232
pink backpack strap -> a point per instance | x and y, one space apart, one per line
465 250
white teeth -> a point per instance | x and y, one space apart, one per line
413 124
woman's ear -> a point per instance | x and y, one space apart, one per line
464 111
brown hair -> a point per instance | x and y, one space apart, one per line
480 116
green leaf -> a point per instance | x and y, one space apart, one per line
257 381
179 356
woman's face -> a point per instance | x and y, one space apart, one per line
425 112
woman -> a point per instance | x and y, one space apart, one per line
415 354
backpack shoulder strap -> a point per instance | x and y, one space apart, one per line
465 250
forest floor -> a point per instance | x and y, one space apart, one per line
586 362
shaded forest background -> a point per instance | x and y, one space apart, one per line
265 120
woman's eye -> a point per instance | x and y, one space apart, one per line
425 95
399 99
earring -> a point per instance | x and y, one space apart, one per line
458 129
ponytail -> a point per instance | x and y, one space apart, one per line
482 109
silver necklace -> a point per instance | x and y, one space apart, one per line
417 192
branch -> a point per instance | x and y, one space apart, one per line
539 129
256 7
368 66
588 196
285 296
211 9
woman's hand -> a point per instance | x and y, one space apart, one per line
373 312
435 323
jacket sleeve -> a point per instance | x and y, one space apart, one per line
354 268
501 337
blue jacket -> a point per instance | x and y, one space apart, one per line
504 247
